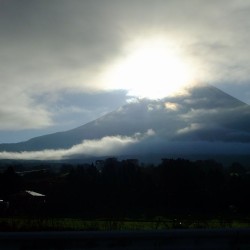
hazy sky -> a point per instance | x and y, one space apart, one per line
64 63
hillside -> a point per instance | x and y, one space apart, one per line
203 116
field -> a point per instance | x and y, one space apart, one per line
76 224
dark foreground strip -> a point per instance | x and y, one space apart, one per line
171 239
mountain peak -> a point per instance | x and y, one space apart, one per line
204 116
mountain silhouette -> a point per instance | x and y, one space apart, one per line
204 115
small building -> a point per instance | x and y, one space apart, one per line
4 206
27 201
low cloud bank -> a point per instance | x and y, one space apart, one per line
109 145
137 145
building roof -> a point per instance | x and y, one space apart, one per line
34 193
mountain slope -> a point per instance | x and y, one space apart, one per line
205 114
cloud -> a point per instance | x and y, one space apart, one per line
172 106
19 110
139 144
108 145
193 127
105 146
57 46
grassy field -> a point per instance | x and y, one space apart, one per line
73 224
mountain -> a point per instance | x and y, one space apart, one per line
203 119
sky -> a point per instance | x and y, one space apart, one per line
65 63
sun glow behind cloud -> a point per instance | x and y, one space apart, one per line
151 68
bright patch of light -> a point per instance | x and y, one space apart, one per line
171 106
150 68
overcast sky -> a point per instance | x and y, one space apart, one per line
54 55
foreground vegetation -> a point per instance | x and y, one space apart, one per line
177 193
76 224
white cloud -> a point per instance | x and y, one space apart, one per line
192 127
172 106
109 145
46 47
150 132
102 147
153 107
197 113
19 111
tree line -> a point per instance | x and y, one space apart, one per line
126 188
